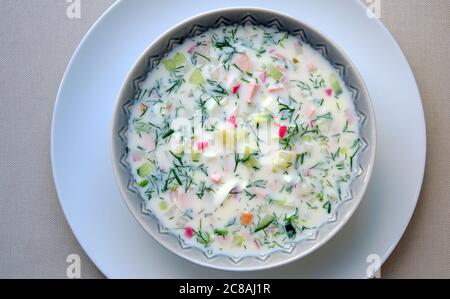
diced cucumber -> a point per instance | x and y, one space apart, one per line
274 73
143 183
172 64
179 59
145 169
334 82
197 77
169 64
265 222
221 232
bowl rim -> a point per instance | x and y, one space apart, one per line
143 58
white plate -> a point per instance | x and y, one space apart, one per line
81 141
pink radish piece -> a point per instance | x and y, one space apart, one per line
329 92
137 156
279 55
216 177
275 88
236 88
232 120
263 77
251 92
282 131
257 242
192 48
310 111
260 193
311 67
189 232
243 62
201 145
148 141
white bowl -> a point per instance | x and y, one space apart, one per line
197 25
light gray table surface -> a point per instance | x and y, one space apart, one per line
37 40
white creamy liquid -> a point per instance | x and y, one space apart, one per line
243 140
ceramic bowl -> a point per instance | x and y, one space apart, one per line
195 26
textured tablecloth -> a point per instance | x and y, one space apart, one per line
37 40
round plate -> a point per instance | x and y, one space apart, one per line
81 128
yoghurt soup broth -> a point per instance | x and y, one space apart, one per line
243 140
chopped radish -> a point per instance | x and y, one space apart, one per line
232 120
279 68
275 88
201 145
189 232
192 48
148 141
279 55
243 62
137 156
236 88
282 131
312 67
329 92
216 177
251 92
310 111
260 193
263 76
258 243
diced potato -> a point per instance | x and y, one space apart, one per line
270 105
282 160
